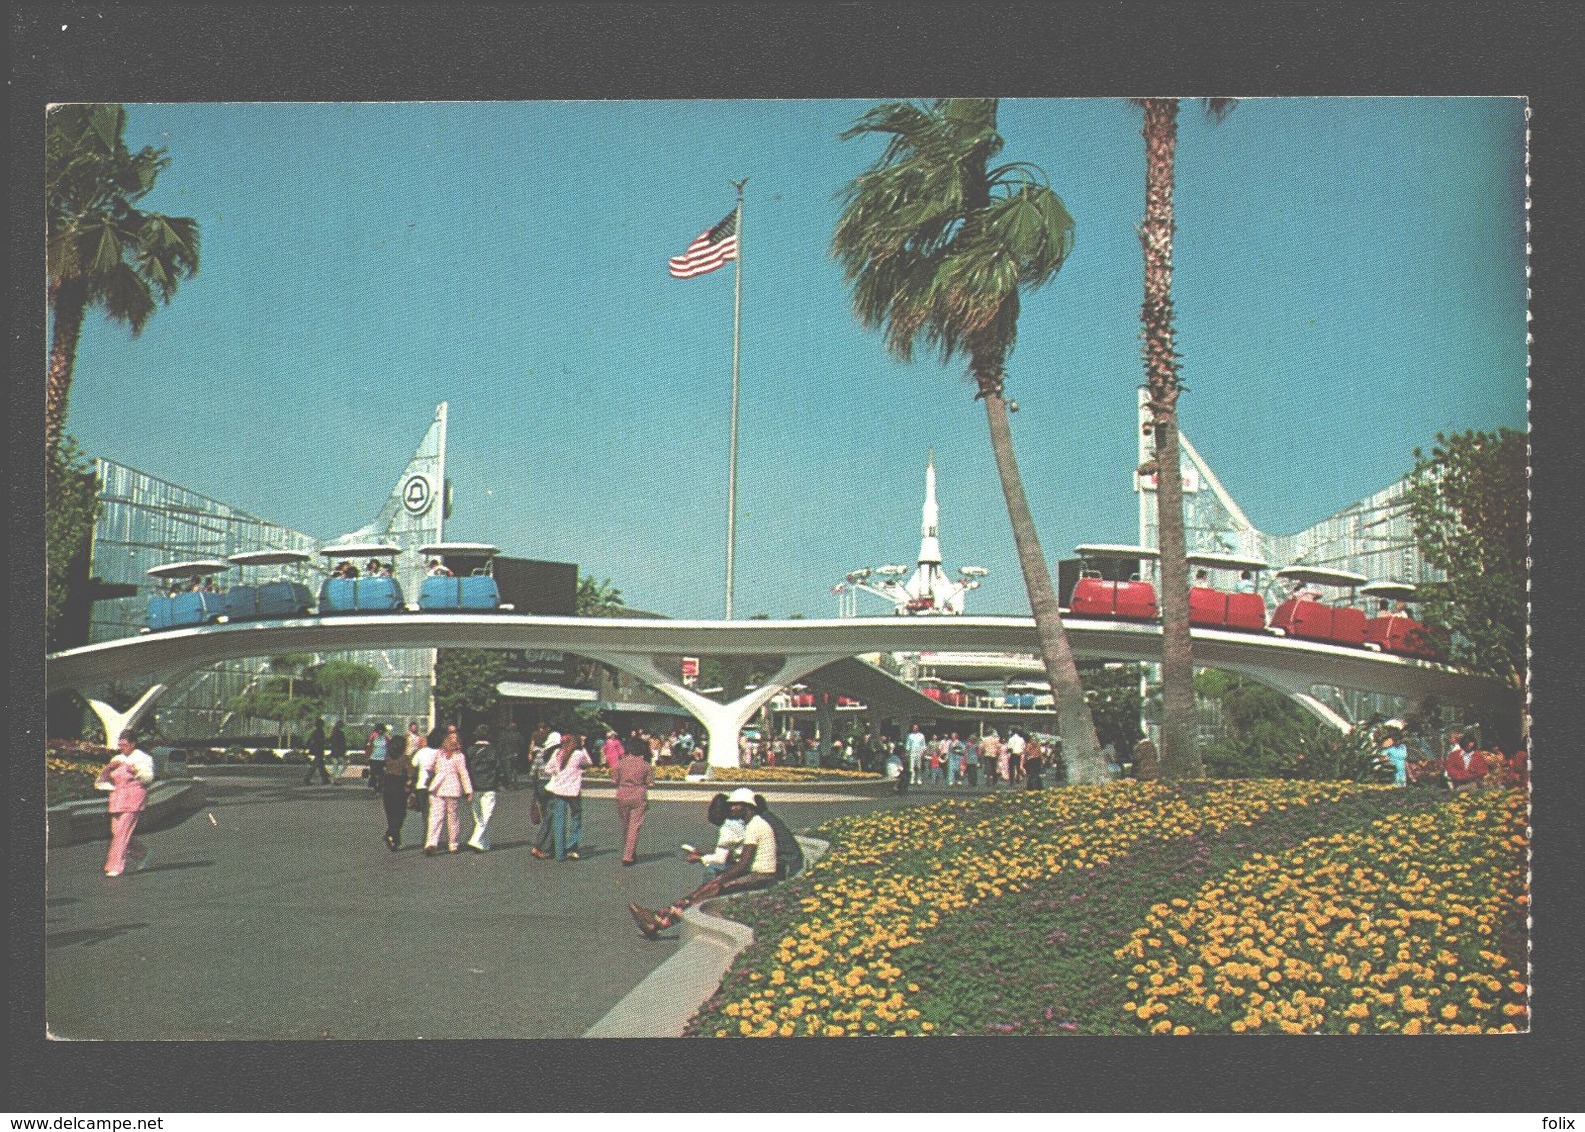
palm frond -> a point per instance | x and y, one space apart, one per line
1217 109
934 243
125 297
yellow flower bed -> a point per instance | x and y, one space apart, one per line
68 779
55 765
755 774
1394 930
836 974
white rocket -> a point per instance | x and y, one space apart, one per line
929 590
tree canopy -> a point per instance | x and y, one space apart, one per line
465 682
343 684
100 250
1468 501
71 504
598 599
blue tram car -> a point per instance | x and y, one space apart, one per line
274 599
459 579
350 589
186 594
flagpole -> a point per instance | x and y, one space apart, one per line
731 476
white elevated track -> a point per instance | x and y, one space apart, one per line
638 646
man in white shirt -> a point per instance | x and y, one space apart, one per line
1015 756
915 746
1015 747
753 867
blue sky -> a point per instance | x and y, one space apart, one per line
1349 280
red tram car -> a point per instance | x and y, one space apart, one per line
1393 630
1214 608
1305 616
1096 596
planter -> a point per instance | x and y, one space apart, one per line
87 819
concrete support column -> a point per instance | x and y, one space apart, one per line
1321 711
723 722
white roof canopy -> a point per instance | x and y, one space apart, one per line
1113 550
361 550
1227 562
196 569
269 557
1320 576
460 549
1392 591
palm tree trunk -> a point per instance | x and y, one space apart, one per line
71 303
1081 750
1179 756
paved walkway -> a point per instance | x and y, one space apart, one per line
276 912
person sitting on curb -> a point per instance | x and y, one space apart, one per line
754 866
727 841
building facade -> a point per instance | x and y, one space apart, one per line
146 522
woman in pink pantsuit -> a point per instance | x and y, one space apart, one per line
128 775
448 782
612 749
633 777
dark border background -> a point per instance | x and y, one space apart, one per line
461 51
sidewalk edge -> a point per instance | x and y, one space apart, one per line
661 1005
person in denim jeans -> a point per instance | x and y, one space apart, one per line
566 768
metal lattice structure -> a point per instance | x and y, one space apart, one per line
145 522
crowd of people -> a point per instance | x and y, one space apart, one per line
445 779
432 774
1464 766
954 760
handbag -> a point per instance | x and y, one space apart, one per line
535 813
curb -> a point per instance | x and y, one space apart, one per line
73 823
661 1005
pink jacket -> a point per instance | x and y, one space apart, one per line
567 781
450 779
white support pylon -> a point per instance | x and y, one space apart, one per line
723 722
115 722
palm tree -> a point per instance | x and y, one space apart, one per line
1180 758
938 246
100 250
598 599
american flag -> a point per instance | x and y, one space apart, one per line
710 251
